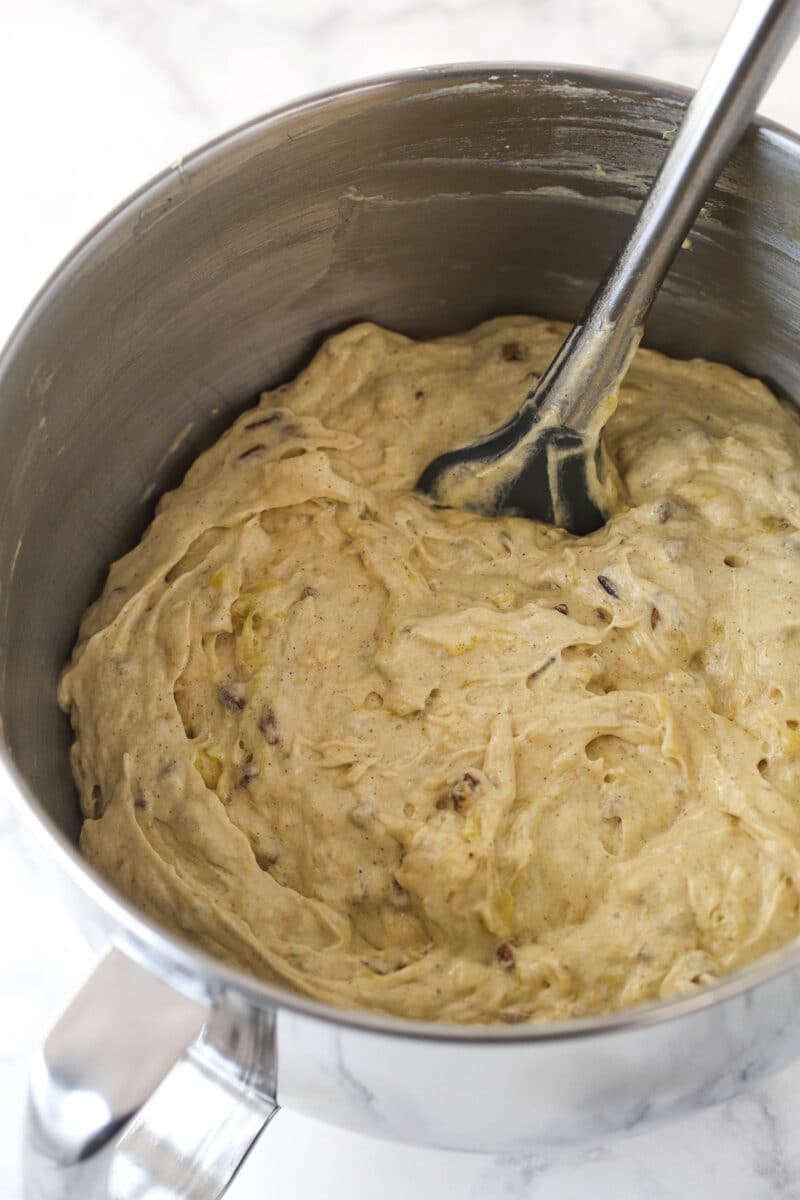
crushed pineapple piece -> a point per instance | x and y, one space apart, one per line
791 742
498 914
504 597
459 648
209 766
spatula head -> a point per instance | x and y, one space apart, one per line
547 473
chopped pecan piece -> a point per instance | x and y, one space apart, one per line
463 790
608 586
249 773
232 698
505 955
268 724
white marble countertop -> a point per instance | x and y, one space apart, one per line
96 96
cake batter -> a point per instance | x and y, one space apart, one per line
444 766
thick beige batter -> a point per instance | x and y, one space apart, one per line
451 767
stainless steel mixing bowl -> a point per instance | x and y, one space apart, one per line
425 202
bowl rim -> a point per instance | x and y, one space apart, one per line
191 970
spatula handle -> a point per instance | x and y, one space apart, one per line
754 46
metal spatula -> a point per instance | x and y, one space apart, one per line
547 461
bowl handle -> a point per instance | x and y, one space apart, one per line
140 1091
